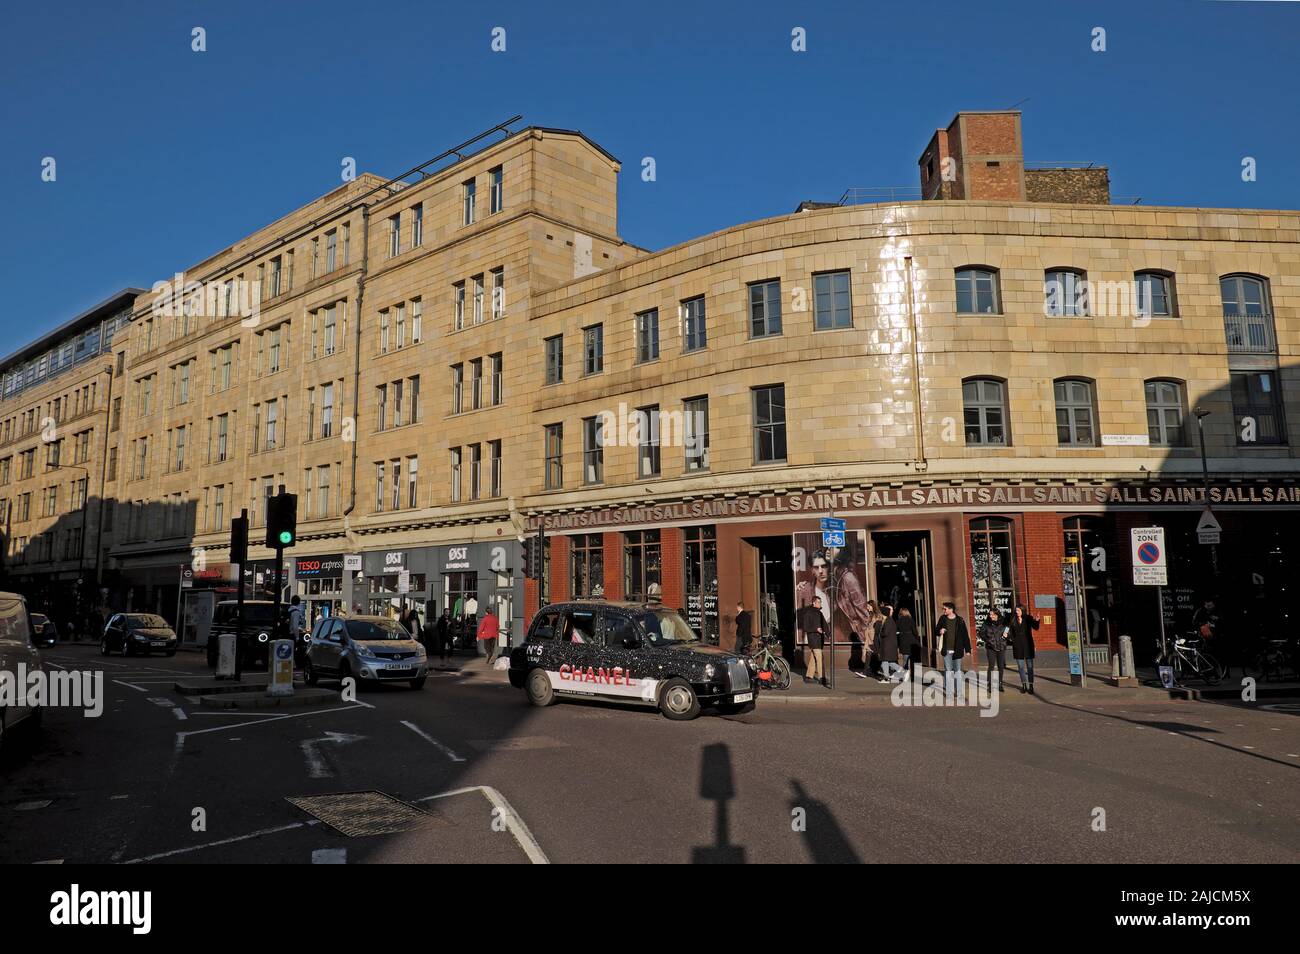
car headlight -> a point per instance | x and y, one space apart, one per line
140 636
366 652
708 671
262 637
419 651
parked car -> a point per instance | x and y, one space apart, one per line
637 653
257 636
17 648
366 648
137 634
44 632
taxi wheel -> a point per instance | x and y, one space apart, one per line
539 688
677 700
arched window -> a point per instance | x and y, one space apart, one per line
992 566
1247 315
1165 413
984 410
977 291
1153 294
1075 417
1065 293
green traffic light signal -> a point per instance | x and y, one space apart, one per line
286 537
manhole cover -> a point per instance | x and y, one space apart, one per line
357 814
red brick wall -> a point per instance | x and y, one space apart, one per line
672 550
613 566
1043 542
531 602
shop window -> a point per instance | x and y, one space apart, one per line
1085 539
587 565
642 564
993 565
701 565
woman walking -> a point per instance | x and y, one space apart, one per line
1021 625
994 633
890 670
909 642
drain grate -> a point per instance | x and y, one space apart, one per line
357 814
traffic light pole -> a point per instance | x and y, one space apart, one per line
239 550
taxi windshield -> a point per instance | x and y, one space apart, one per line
665 627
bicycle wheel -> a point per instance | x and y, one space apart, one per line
780 673
1207 667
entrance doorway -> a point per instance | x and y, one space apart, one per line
767 586
904 577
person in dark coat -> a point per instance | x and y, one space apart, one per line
1021 625
890 670
812 624
744 629
909 641
445 635
994 634
953 638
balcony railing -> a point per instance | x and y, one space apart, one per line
1249 334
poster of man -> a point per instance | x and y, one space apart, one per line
839 576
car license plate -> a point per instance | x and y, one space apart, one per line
742 697
158 645
400 667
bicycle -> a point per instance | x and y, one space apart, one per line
1275 658
773 671
1189 659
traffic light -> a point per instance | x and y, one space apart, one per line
281 520
239 541
527 548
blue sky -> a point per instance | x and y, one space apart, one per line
165 155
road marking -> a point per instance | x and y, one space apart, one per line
316 766
223 841
130 686
432 741
329 856
182 736
179 713
514 824
161 701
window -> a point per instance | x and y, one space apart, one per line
394 235
695 432
498 293
379 485
593 450
329 328
554 359
1165 413
494 468
417 225
695 334
495 363
458 298
381 406
331 250
496 193
647 336
455 474
554 461
323 491
1153 295
399 323
1247 318
326 410
993 565
765 308
275 277
1065 294
412 481
1257 407
831 305
385 328
769 424
417 320
475 471
478 299
273 352
413 398
476 383
593 349
184 383
181 434
648 451
397 483
272 418
984 409
467 201
977 292
642 564
1074 414
223 433
587 562
457 388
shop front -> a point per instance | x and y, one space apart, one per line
318 581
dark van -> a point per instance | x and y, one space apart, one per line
637 653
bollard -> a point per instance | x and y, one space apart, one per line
225 656
1126 652
280 682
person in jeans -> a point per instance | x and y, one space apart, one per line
890 670
994 633
1021 625
953 642
909 641
813 625
489 632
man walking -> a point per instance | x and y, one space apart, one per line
813 626
444 634
489 632
296 618
744 630
954 643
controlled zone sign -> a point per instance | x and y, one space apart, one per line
1149 568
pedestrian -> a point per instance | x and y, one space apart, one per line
909 642
412 622
954 643
890 670
744 629
813 625
994 633
445 648
871 661
489 634
1021 625
297 618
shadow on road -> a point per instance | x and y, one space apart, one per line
827 844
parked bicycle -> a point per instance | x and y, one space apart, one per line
1277 659
1189 660
773 671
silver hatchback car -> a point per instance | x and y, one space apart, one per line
365 648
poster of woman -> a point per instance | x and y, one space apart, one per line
839 576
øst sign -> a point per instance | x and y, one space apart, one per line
1149 556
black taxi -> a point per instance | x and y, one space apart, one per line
637 653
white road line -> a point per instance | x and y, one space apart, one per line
432 741
65 669
316 767
182 736
514 824
223 841
130 686
179 713
329 856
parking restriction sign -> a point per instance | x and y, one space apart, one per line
1149 556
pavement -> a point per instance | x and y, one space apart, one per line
465 770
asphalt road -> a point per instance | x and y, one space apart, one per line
471 773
